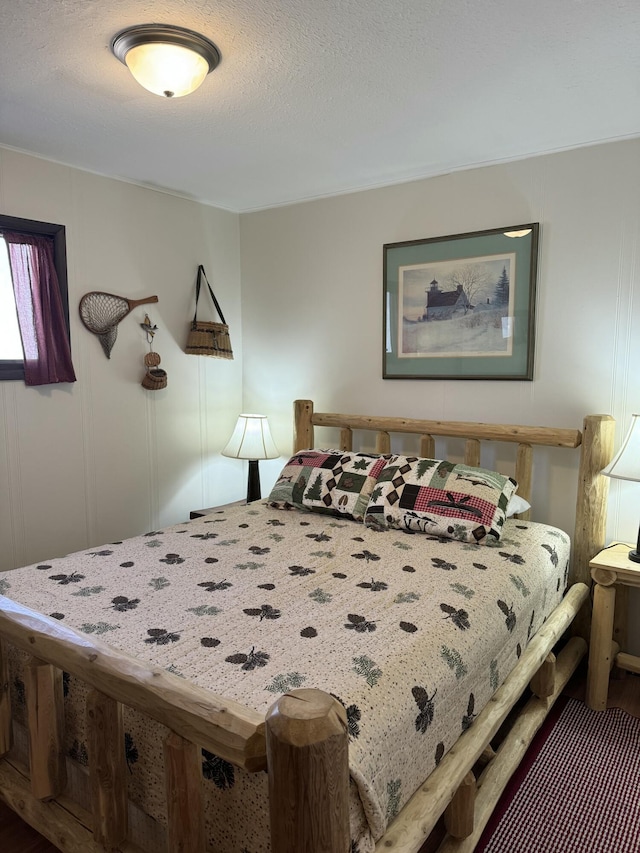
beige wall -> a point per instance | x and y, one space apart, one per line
312 303
83 464
105 459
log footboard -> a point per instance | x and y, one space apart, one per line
306 749
195 717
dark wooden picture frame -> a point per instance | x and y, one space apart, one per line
461 306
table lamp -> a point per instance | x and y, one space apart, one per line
252 440
625 465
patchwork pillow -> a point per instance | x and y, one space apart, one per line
441 498
332 481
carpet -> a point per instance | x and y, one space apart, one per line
577 789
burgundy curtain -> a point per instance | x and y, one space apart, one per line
47 355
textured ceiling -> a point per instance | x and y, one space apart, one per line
315 97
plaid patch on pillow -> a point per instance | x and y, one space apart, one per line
331 481
440 498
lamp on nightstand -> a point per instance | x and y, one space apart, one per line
625 465
252 440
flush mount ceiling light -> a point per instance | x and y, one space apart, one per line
168 61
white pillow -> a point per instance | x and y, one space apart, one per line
517 505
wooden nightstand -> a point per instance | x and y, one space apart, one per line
198 513
608 568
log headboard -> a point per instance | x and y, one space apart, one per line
594 442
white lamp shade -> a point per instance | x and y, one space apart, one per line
167 68
625 465
251 439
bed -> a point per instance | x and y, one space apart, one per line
348 739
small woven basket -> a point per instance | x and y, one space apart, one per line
155 378
209 339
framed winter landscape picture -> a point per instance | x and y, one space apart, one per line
461 307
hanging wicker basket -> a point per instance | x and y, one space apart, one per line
208 338
155 377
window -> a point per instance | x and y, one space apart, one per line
55 318
10 343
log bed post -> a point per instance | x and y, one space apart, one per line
107 770
383 442
185 811
593 490
427 446
303 426
346 439
45 712
472 452
591 506
459 816
307 758
524 467
543 682
5 701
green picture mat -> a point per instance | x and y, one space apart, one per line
518 365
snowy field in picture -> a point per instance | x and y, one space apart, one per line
457 308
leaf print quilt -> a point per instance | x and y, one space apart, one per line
411 634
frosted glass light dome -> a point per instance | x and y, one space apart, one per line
167 69
168 61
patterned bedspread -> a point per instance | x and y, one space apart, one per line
412 634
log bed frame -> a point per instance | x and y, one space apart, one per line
302 742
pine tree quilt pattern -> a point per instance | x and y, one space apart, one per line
328 481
